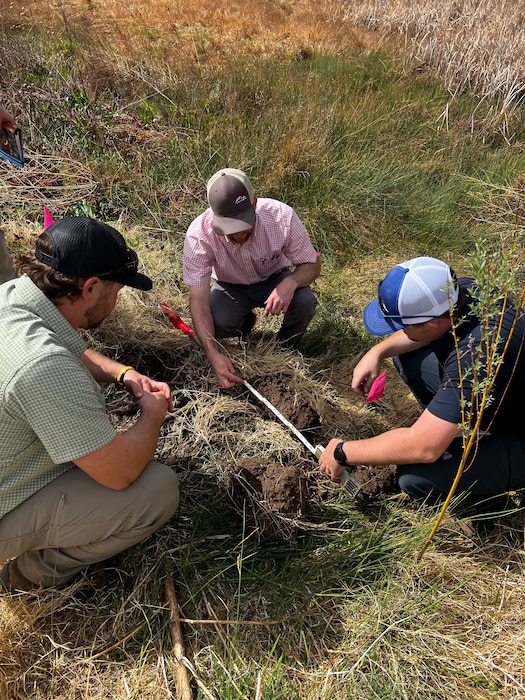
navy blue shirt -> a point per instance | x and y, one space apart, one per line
504 415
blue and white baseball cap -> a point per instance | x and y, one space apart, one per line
413 292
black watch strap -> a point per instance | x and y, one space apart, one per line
339 455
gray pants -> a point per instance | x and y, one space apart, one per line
231 303
7 270
74 521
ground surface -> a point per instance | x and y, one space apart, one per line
274 497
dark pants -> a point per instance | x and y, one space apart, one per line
495 465
230 304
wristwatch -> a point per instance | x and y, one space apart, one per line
339 455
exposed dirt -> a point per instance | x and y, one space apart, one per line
377 483
271 495
294 406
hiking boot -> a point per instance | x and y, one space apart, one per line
12 580
247 325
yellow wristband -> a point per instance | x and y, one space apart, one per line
120 375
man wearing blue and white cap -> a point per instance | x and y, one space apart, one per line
418 304
247 246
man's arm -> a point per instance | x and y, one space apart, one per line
424 442
369 367
205 330
102 368
105 371
119 463
302 276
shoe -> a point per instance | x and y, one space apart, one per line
12 580
247 325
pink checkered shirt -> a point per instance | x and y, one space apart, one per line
279 240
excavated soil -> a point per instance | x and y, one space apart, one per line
294 406
274 496
376 482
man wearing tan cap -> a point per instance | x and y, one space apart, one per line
258 253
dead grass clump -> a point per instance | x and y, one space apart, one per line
475 47
52 180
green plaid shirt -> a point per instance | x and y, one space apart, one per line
52 411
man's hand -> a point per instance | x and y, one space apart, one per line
365 372
280 298
369 367
327 463
154 406
137 384
226 374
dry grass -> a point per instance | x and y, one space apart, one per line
193 35
458 611
345 611
476 47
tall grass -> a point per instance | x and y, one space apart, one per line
127 110
474 47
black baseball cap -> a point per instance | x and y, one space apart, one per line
83 247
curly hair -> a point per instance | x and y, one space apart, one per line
52 283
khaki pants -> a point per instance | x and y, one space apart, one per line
74 521
7 270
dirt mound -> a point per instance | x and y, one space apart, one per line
292 404
377 483
271 496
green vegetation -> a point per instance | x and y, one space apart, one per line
126 122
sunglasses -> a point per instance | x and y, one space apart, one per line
398 317
131 265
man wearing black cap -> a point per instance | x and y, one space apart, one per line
247 246
418 304
73 491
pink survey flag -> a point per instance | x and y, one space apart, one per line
376 390
48 219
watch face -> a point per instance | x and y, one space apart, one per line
339 454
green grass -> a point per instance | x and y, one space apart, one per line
360 146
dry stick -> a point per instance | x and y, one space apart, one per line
182 681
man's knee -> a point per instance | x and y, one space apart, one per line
161 490
304 303
418 487
225 327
